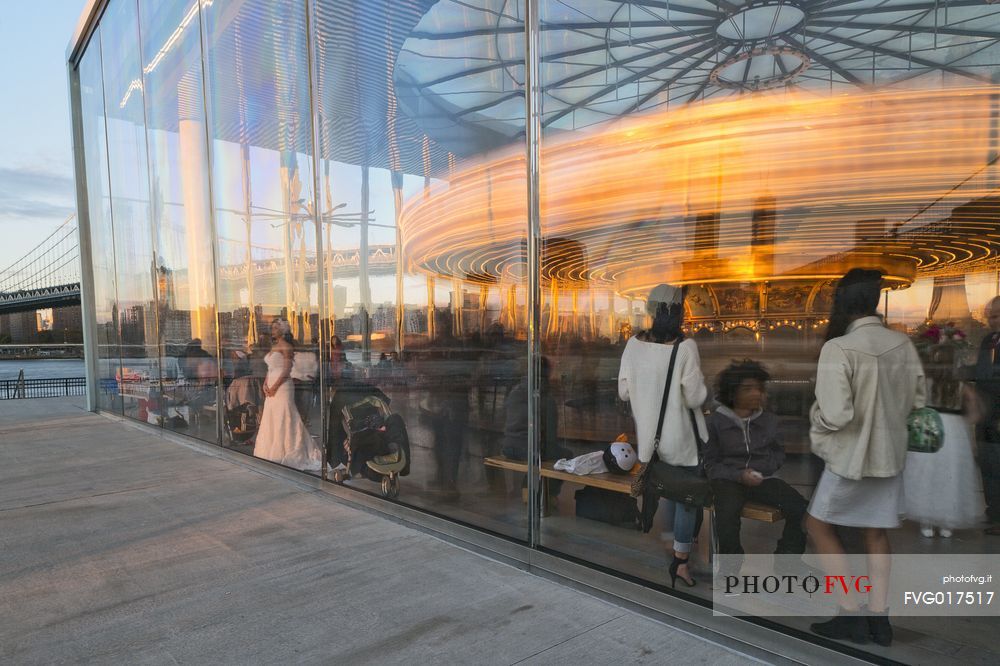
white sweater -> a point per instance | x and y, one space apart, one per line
641 378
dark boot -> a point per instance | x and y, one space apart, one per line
848 625
879 627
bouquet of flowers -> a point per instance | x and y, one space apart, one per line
930 335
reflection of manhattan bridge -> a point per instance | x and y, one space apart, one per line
269 272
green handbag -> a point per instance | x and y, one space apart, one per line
925 430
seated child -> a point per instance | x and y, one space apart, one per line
741 457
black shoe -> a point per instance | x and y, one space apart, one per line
851 626
673 572
879 628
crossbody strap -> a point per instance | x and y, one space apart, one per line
666 394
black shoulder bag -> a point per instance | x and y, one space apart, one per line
669 481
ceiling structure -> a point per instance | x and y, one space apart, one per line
460 72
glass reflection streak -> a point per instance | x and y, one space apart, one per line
833 163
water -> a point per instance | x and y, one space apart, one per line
44 368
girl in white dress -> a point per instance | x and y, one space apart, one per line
943 489
282 436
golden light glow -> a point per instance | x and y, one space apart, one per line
876 179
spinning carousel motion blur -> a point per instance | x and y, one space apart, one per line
752 151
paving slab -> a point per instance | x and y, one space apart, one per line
120 546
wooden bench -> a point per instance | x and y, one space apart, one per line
619 483
622 483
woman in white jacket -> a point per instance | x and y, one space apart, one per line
641 380
868 380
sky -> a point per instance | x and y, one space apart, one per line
36 156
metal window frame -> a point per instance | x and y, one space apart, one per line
759 638
88 304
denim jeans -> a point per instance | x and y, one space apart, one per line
685 518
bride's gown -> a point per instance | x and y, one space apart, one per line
282 436
943 488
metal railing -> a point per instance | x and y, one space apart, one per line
55 387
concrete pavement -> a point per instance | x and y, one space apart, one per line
119 546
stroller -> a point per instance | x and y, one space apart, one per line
367 439
242 423
243 400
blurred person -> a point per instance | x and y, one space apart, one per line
282 436
195 361
868 380
305 378
741 457
641 381
515 431
987 381
448 405
942 489
201 375
515 434
338 360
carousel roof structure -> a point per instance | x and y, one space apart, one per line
460 72
745 189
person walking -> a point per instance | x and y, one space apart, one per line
868 381
641 380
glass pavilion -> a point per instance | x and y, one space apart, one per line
436 195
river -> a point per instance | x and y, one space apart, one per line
43 368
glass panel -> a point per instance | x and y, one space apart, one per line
262 179
428 320
753 153
101 234
130 208
181 211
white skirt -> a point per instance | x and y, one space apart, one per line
943 488
868 502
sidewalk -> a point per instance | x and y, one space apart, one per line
119 546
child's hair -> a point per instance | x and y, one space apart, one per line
734 375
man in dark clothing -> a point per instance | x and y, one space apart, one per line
987 377
742 454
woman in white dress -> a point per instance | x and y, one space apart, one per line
282 436
943 490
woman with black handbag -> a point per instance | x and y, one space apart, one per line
660 376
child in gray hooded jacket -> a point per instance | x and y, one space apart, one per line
741 457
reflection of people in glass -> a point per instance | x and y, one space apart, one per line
200 374
942 488
641 381
305 370
988 432
282 436
741 457
193 363
338 360
868 380
515 432
449 406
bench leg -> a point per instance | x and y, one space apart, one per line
706 538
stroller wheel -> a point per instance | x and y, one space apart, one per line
390 486
339 475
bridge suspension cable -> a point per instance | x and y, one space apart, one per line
53 262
